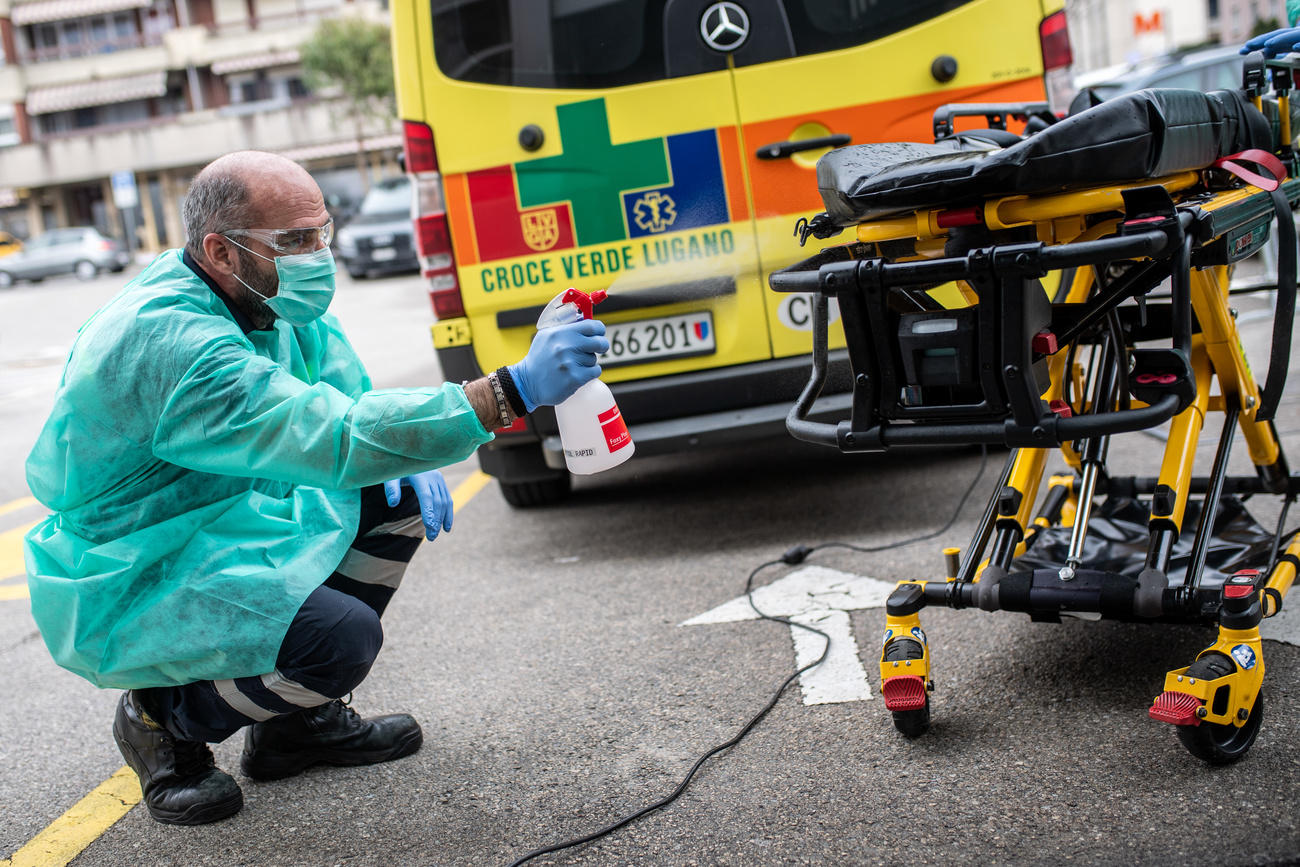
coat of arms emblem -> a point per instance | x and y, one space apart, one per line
541 229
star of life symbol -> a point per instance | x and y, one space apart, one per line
655 211
541 229
724 26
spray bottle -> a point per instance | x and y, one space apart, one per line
592 430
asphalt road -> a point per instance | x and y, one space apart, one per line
544 653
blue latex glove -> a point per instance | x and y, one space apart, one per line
435 500
561 360
1274 42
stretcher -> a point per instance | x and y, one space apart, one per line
1046 291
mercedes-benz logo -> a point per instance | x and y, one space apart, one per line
725 26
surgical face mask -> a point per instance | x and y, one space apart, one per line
306 284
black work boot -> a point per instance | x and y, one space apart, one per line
332 734
181 784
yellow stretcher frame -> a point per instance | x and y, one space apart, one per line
1197 698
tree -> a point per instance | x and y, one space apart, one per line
1265 25
353 56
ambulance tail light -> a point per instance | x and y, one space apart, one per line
429 216
1054 40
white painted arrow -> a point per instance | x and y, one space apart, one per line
821 598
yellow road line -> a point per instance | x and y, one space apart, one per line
14 506
466 490
94 814
11 552
14 591
83 823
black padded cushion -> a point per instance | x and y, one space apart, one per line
1145 134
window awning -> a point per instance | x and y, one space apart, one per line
106 91
265 60
40 11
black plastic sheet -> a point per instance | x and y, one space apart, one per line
1117 542
1145 134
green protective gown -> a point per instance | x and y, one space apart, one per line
204 481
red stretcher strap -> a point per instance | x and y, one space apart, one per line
1259 157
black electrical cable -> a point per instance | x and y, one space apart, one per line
792 557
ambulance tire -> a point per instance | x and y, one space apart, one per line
542 492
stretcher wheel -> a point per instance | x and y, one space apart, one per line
913 722
1216 743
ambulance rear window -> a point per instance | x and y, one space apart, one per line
827 25
610 43
550 43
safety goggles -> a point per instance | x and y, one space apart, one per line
291 240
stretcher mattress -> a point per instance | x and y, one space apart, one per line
1145 134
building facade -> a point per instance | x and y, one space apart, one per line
1117 33
109 107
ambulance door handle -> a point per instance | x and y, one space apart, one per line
782 149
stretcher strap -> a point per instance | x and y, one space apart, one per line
1261 158
1280 352
1284 312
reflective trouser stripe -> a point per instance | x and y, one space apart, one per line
240 702
360 566
412 526
292 691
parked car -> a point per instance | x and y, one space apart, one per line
1201 69
380 238
9 244
81 250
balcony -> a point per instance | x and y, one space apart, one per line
86 49
261 23
188 140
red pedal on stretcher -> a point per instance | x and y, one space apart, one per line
1178 708
905 692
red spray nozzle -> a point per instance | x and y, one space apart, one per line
583 301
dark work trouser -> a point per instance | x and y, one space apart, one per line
331 642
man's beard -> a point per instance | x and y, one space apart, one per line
267 284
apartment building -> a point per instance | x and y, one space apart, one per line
119 102
1116 33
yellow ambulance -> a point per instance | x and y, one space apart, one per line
663 150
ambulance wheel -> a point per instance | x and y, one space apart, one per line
543 492
1220 743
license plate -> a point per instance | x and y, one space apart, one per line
383 254
657 339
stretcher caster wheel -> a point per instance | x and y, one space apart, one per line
907 696
913 723
1219 743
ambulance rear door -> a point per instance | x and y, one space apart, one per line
854 72
593 143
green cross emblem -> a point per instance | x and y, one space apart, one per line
592 172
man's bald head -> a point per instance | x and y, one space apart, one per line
241 190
